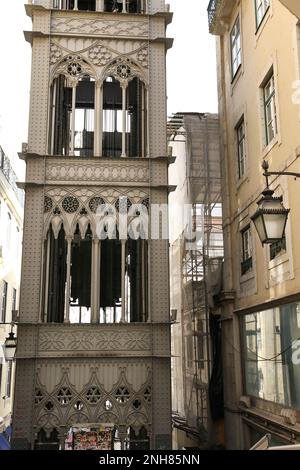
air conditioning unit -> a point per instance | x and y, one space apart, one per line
15 316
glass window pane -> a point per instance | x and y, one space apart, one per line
269 343
236 55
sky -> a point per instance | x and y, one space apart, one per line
191 69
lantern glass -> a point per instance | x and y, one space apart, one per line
9 347
258 221
275 225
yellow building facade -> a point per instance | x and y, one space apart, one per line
259 103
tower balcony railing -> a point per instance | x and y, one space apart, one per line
10 176
112 6
219 12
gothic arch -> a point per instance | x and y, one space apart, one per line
124 70
74 67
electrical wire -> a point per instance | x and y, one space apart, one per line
261 358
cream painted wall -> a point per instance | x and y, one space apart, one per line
273 45
10 268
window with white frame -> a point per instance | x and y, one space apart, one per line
236 49
241 147
246 262
269 96
261 7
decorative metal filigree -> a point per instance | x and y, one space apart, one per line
93 395
38 397
83 211
117 204
78 405
67 405
96 202
147 395
74 69
142 57
70 204
136 404
146 202
123 71
48 204
74 66
122 395
99 55
55 53
108 405
56 211
49 406
64 396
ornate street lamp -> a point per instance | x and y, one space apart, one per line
271 216
10 346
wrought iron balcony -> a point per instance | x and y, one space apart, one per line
212 7
246 266
10 176
219 13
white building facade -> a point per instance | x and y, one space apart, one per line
11 221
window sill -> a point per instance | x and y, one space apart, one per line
269 147
247 276
242 180
278 260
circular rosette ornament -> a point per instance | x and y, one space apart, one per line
123 71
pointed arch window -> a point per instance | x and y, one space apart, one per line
95 280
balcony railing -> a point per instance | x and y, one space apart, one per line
10 176
246 266
113 6
212 7
220 15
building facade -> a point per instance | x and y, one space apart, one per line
258 84
11 223
196 208
94 330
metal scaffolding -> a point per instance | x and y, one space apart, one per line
201 263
